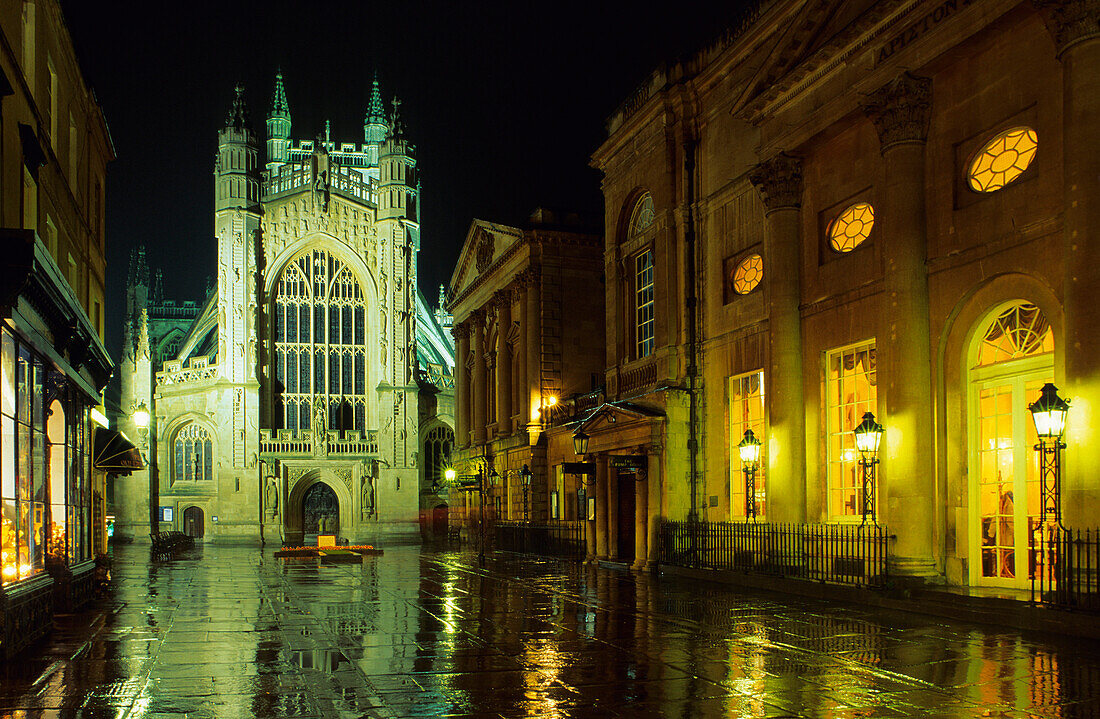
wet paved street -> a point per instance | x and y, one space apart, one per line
233 632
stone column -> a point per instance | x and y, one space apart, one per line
779 181
533 338
521 353
601 507
589 524
900 112
1075 27
641 523
478 396
612 513
503 301
461 332
653 504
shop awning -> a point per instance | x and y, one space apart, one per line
112 452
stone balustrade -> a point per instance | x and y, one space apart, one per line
286 443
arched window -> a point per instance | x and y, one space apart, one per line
192 455
437 453
641 217
1019 331
320 344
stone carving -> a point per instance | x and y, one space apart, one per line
1070 22
366 500
901 110
345 476
293 475
484 257
779 181
271 497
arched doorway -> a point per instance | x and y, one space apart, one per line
193 522
439 522
1012 358
320 510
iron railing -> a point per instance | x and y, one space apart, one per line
852 554
1065 568
555 539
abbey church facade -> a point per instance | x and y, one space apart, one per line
292 401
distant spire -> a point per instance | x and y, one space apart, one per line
238 114
397 125
139 271
279 106
328 132
376 111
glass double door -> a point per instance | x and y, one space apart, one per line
1004 474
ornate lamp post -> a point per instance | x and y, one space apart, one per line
580 442
868 437
750 460
525 480
1049 414
141 419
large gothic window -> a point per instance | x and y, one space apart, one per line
192 455
437 453
320 344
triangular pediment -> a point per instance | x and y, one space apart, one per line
613 414
486 243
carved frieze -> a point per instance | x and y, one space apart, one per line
901 110
484 244
779 181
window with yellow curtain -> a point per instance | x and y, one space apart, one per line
746 411
851 390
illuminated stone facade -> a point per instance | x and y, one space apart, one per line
963 130
53 364
291 402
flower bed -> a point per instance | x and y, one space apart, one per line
360 549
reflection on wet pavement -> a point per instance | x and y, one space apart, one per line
233 632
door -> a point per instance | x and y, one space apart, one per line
192 522
627 488
1015 360
320 510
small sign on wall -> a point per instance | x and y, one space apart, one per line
326 540
166 514
554 509
591 509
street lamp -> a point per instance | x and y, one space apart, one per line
141 419
525 480
540 419
750 459
1049 414
868 437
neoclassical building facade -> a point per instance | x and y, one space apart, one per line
289 404
840 208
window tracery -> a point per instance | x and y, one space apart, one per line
748 274
1003 159
320 343
852 227
192 454
1020 331
641 218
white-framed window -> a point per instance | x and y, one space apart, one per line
51 236
851 389
51 101
30 200
74 152
192 455
643 303
746 392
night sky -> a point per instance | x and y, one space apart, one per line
505 105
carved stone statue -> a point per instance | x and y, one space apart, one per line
271 498
318 419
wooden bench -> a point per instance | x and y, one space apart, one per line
165 544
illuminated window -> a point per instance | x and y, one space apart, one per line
748 274
746 412
192 455
320 344
642 217
1003 159
643 303
1019 331
851 227
851 390
437 453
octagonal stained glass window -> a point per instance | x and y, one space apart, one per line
748 274
1003 159
851 227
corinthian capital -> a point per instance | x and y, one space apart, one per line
779 181
460 330
1070 21
901 110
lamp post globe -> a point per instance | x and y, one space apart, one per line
1049 413
141 416
868 437
749 449
580 442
